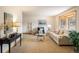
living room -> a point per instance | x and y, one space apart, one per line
56 21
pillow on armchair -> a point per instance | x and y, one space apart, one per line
57 31
61 32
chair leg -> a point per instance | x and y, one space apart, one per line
20 40
1 48
15 42
9 47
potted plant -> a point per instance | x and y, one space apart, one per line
74 37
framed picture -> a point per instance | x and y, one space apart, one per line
72 23
8 20
42 22
62 22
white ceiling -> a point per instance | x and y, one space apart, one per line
45 10
39 10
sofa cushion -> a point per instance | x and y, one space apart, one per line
57 31
54 34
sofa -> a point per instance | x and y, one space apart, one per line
60 39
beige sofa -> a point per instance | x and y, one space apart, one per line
60 39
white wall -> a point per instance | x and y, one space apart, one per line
51 20
31 19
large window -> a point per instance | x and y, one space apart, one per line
68 20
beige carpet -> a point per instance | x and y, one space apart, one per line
31 45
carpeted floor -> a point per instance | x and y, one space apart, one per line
31 45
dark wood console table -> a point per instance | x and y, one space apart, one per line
8 41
